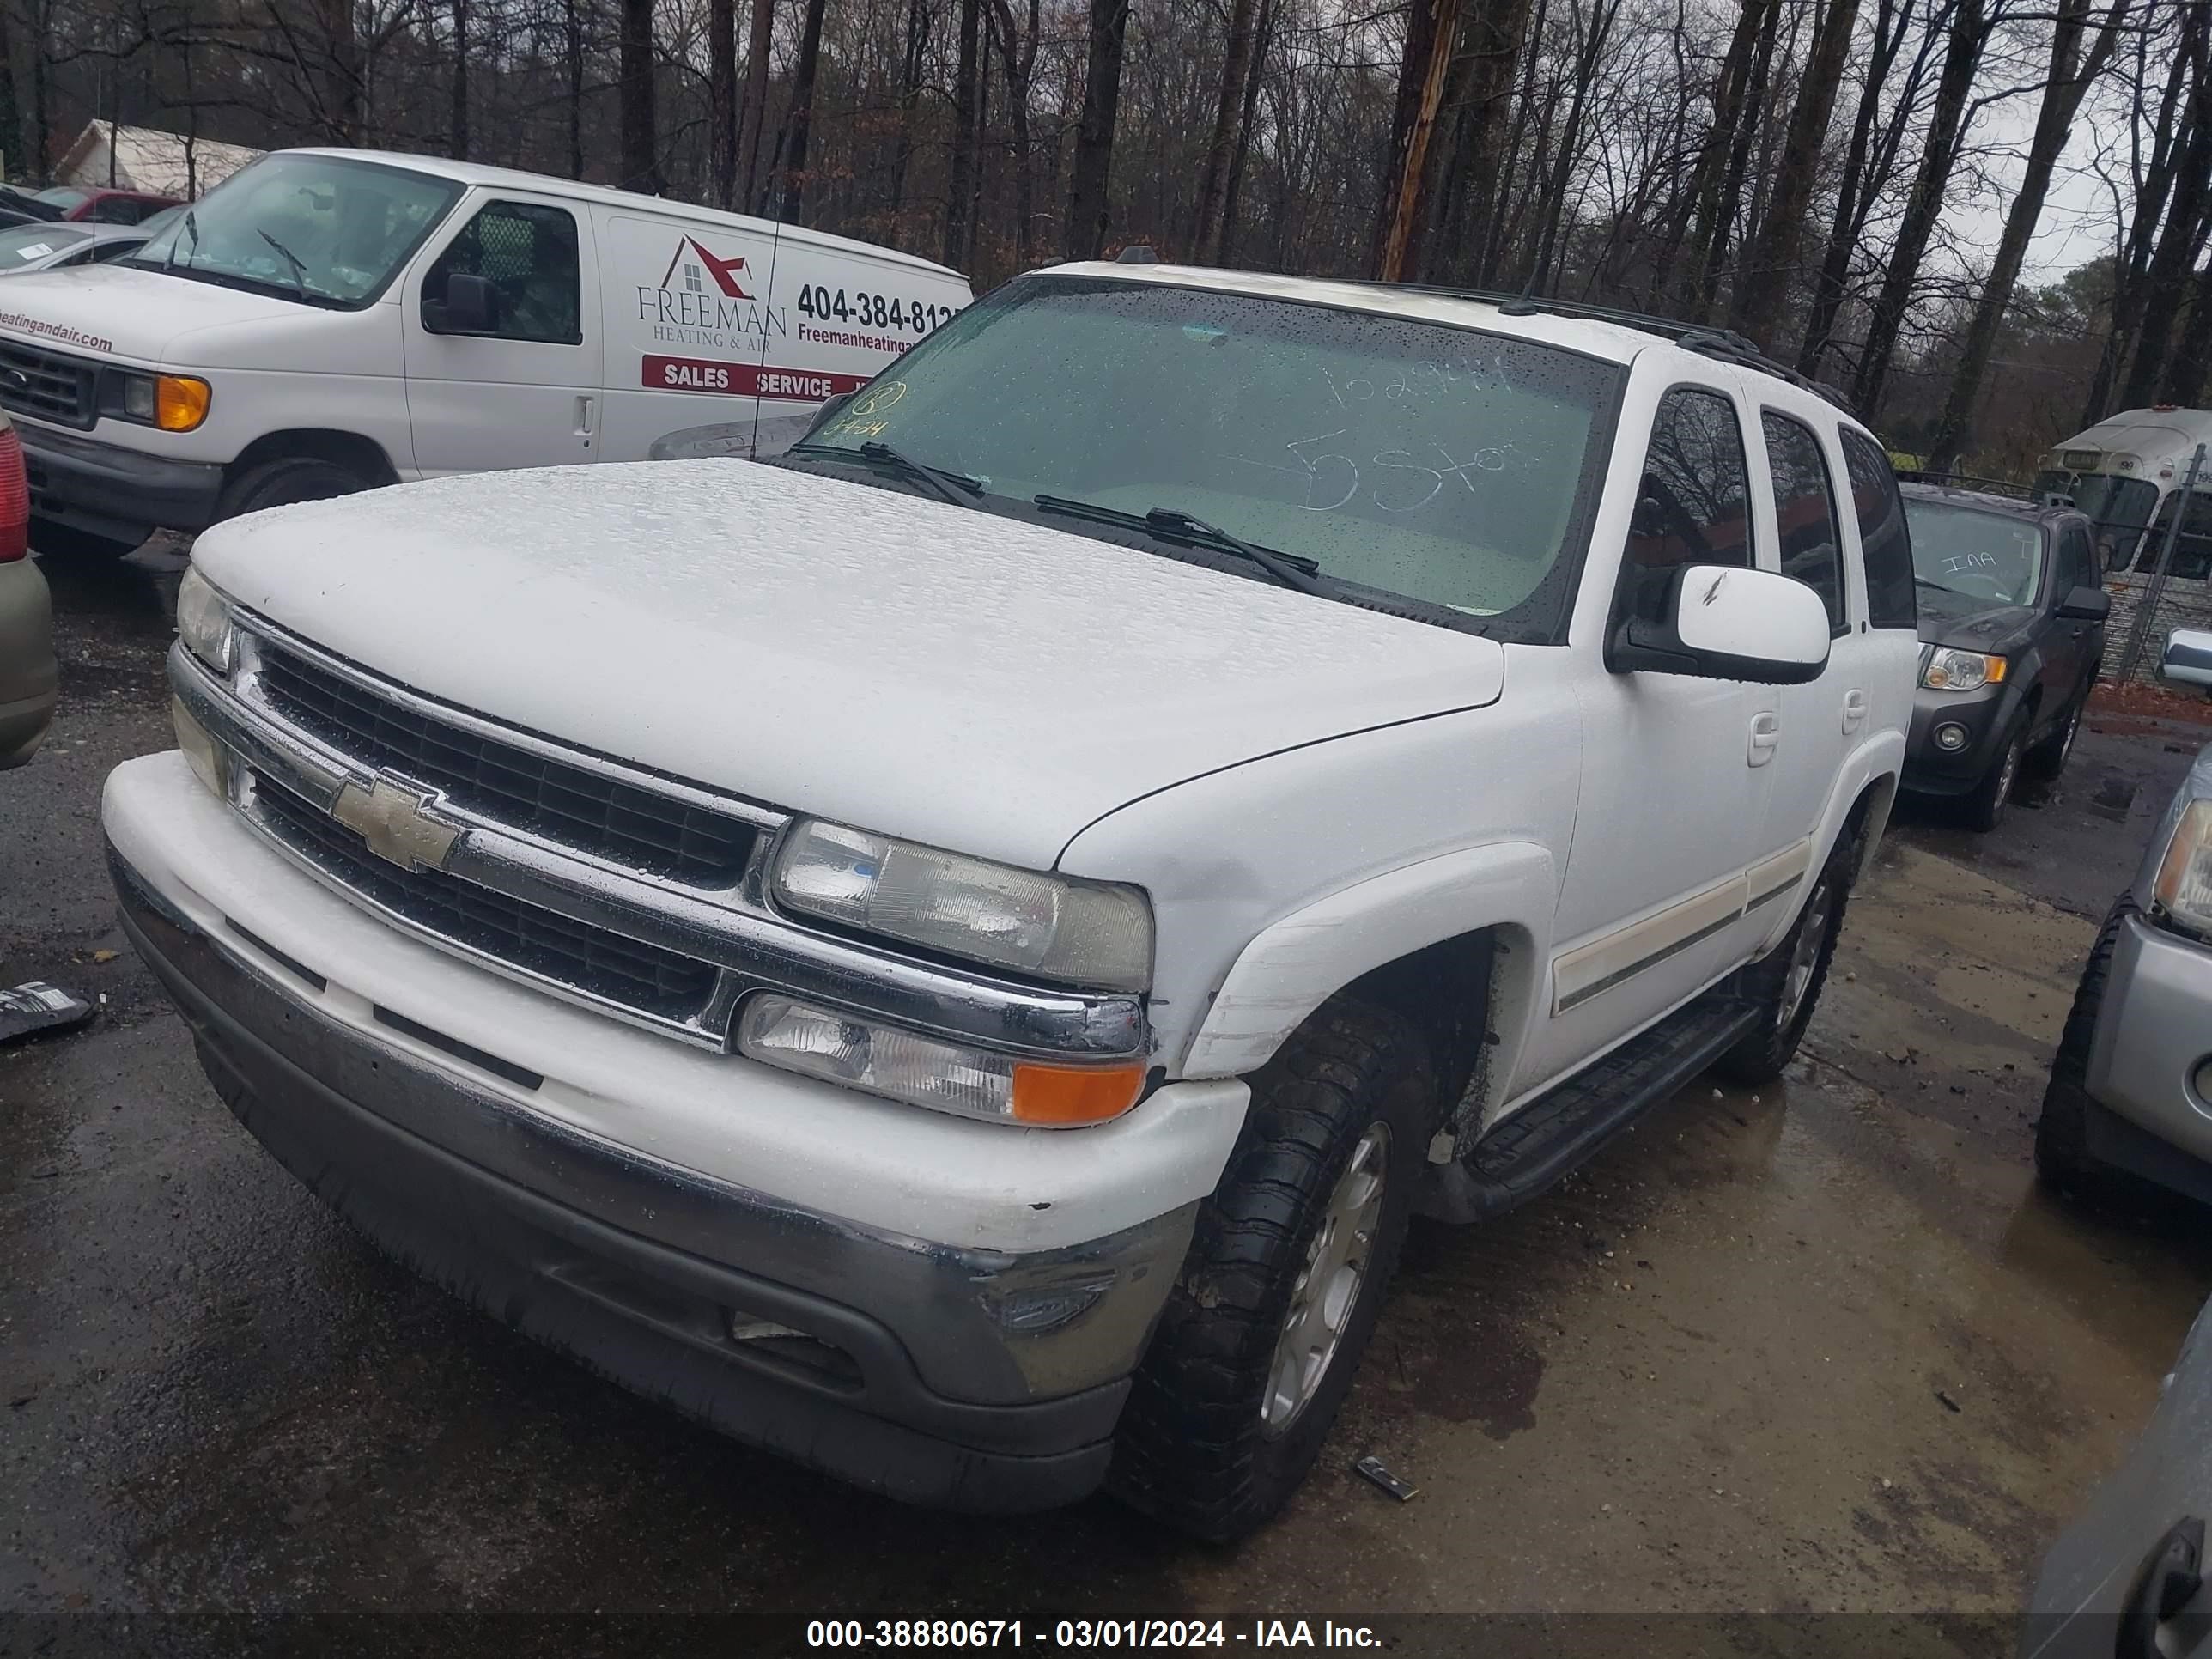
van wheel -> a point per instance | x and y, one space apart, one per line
1786 982
284 483
1264 1329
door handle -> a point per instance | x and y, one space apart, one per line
2169 1576
1855 710
1766 736
586 408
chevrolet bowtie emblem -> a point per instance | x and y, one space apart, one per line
395 819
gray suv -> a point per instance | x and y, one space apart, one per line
2130 1090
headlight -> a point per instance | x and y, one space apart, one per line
925 1070
2184 890
1961 671
204 621
1080 932
174 403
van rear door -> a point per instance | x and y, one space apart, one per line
688 323
517 384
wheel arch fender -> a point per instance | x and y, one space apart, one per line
358 454
1506 891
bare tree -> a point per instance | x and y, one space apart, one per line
1083 234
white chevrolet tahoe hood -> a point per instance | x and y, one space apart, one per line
142 316
869 656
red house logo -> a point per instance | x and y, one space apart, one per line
698 265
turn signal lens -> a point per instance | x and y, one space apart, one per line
924 1070
180 403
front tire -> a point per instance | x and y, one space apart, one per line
1786 982
2063 1163
1264 1330
2048 759
285 483
1985 807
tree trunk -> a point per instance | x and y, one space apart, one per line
799 124
1491 42
640 127
1710 172
752 119
1214 186
960 164
1923 204
2155 301
1263 36
918 19
1018 61
1891 19
457 126
2070 76
1489 254
722 100
572 49
2185 373
1428 56
1586 58
11 115
1729 202
1084 235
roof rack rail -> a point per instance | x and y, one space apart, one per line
1720 343
1968 481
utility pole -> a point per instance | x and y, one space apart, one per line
1437 30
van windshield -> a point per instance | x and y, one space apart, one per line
2120 507
1399 455
318 229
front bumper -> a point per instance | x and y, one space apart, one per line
415 1094
1984 714
2154 1032
105 490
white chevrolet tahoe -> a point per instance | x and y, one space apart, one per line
953 956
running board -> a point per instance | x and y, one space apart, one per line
1545 1140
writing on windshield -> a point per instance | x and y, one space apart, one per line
1992 557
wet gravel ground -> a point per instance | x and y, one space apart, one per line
1821 1348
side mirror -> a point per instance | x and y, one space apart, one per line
828 411
2188 656
471 306
2087 605
1721 623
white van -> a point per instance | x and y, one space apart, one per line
326 320
2124 472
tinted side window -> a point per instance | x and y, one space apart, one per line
1891 601
528 254
2077 563
1805 511
1693 506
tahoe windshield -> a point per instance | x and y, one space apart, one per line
1377 453
314 229
1991 557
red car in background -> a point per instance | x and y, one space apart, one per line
80 202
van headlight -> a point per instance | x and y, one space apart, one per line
204 621
2183 892
174 403
1054 927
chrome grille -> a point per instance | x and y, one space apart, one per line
47 385
551 799
600 962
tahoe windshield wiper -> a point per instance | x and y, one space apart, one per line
1287 568
939 481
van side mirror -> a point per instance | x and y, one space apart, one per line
471 306
1721 623
2086 605
2188 657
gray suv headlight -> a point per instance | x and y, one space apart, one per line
1054 927
2183 891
